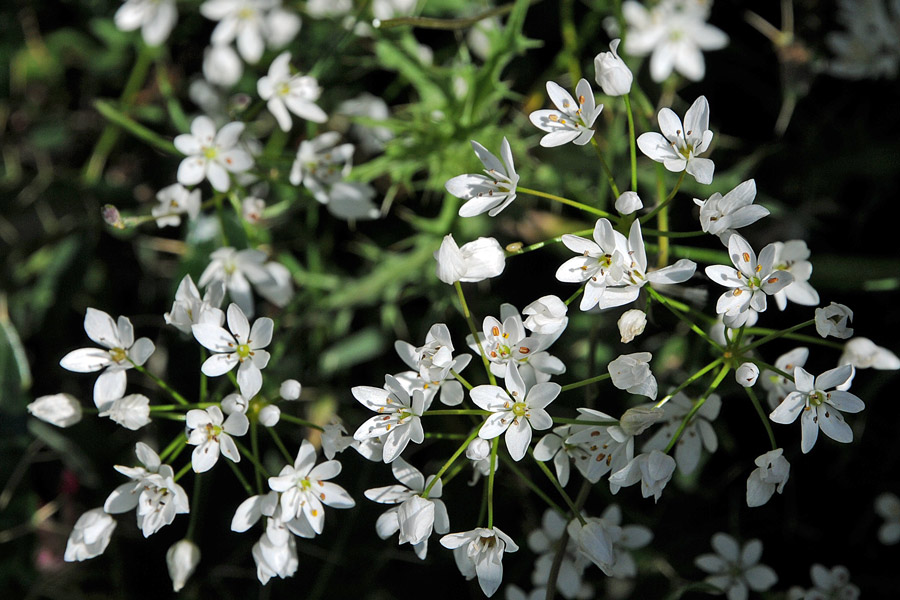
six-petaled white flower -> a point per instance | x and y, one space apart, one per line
155 19
174 201
678 146
572 121
489 193
479 553
284 91
211 154
735 569
211 433
721 215
90 536
398 419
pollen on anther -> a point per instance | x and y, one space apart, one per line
773 280
738 292
746 257
553 118
524 350
495 330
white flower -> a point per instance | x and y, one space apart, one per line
516 410
594 540
238 269
90 537
631 372
305 488
181 559
120 352
721 215
615 269
281 27
189 308
653 470
242 346
834 320
320 163
831 584
746 374
553 446
252 209
221 65
175 200
131 412
819 408
791 257
863 353
370 138
433 363
628 202
546 315
474 261
611 73
631 324
275 554
352 201
335 439
769 477
155 18
211 154
675 32
489 193
679 146
605 448
735 569
750 282
698 433
62 410
573 121
415 516
479 552
629 537
779 387
545 542
398 419
285 92
211 432
243 20
887 505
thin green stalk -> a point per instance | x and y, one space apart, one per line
665 202
578 205
277 439
181 472
606 169
299 421
632 144
192 520
670 305
437 435
689 381
180 440
585 382
490 492
171 407
468 315
766 366
577 293
811 339
450 461
775 335
763 416
461 379
253 456
240 476
539 245
511 464
139 131
162 384
576 511
687 418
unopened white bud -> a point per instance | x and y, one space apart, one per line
636 420
746 374
269 415
478 449
612 74
61 410
290 389
628 203
631 324
182 559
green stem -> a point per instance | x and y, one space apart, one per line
775 335
139 131
181 440
181 472
585 382
606 169
192 520
455 411
578 205
490 492
665 202
576 511
299 421
162 384
762 415
461 379
532 485
171 407
796 336
468 315
577 293
631 143
689 381
539 245
699 403
277 439
450 461
766 366
253 454
671 306
240 476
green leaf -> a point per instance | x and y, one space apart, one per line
363 345
15 374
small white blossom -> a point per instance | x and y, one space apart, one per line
90 536
252 209
750 281
819 408
746 374
572 121
181 559
887 505
721 215
607 449
779 387
833 583
269 415
211 154
678 146
631 372
120 352
155 18
211 433
517 410
675 32
284 91
611 73
62 410
594 540
433 363
629 537
479 552
834 320
546 315
305 488
242 270
697 434
243 20
770 476
863 353
628 203
290 389
653 470
791 257
489 193
474 261
131 412
398 419
241 346
370 138
189 308
175 200
734 569
221 65
631 324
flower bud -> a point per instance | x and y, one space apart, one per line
631 324
546 315
594 540
416 517
290 389
612 74
746 374
478 449
61 410
474 261
628 203
182 559
112 217
91 535
269 415
221 65
636 420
